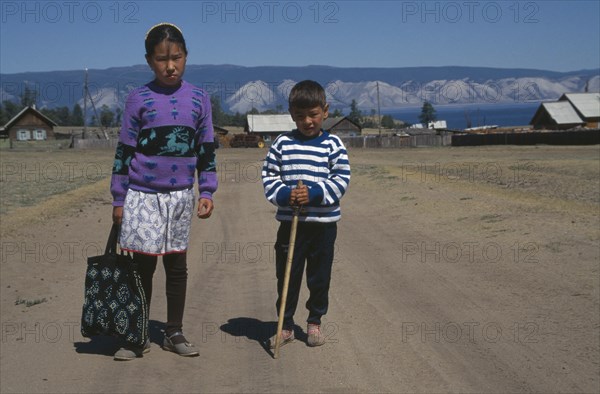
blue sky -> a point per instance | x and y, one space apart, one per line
72 35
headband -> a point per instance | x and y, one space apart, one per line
163 24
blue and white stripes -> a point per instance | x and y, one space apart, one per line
322 165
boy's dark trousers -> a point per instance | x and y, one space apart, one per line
314 245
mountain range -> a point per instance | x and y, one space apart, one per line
241 88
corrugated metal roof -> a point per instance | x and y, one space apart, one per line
562 112
270 123
588 104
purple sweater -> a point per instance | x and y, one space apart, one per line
166 136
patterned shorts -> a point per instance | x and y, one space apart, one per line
157 223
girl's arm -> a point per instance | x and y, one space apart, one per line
125 151
206 165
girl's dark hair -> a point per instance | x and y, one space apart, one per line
161 32
307 94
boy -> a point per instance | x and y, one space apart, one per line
320 160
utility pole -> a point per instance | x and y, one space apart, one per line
252 114
85 95
378 111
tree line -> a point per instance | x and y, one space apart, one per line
64 116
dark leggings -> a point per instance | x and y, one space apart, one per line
176 273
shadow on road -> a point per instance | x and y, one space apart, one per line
254 330
108 345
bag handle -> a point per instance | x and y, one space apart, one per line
111 244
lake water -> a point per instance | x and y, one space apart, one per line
480 114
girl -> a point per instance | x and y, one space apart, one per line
166 136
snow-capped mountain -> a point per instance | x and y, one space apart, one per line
241 88
262 96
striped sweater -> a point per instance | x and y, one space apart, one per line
322 165
166 137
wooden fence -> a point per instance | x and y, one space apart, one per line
375 141
63 143
574 137
577 137
353 142
35 145
93 143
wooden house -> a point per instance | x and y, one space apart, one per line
342 126
29 125
570 111
556 116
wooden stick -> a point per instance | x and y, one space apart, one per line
286 277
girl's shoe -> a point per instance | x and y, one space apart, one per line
179 345
287 336
315 336
129 352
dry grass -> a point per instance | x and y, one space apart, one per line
53 206
543 177
29 178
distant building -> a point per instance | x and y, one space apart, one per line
29 125
570 111
342 126
435 125
556 116
269 126
587 106
481 129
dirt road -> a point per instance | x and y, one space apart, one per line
456 270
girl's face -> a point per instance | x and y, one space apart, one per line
168 63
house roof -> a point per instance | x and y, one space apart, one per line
18 116
270 123
587 104
562 112
330 123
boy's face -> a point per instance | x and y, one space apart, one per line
309 120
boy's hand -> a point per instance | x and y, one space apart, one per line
299 196
117 215
205 208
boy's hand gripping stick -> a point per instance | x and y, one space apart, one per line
286 277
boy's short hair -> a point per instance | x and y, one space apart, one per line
307 94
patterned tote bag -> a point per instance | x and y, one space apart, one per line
114 303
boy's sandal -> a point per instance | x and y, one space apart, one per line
315 336
287 336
